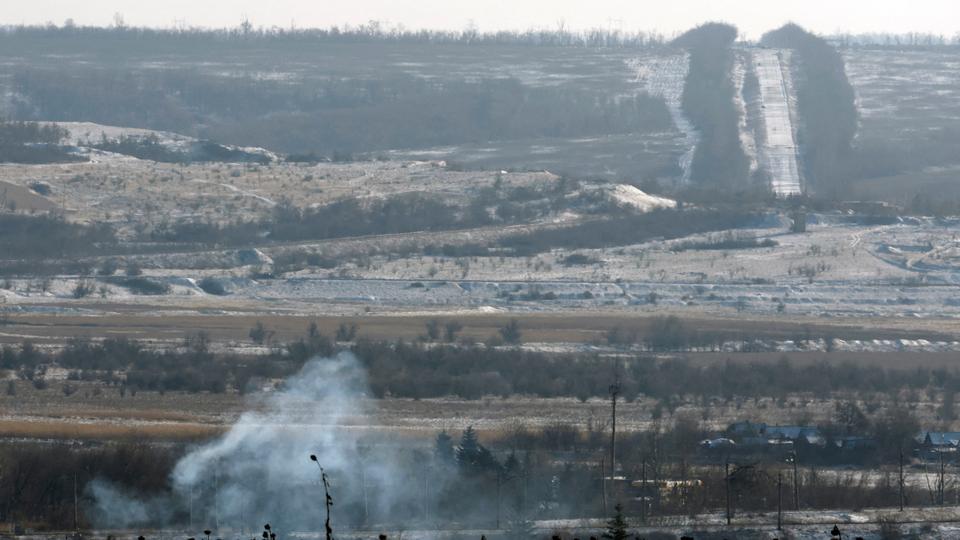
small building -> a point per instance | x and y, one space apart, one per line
937 444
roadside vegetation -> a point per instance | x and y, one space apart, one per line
827 109
708 99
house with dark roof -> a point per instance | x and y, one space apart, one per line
936 444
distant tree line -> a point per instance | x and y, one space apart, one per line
247 35
909 40
472 371
709 102
327 116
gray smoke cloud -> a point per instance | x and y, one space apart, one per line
260 472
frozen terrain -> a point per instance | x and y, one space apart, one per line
665 77
778 154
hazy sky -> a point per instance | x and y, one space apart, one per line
668 16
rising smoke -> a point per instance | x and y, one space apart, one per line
260 471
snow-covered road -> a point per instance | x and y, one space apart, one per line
779 151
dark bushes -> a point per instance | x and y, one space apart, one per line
33 143
35 237
708 99
827 108
212 286
630 229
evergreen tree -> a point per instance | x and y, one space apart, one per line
473 456
443 448
469 447
617 526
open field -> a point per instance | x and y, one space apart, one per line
842 268
165 324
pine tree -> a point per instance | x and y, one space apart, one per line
473 456
617 526
443 448
469 448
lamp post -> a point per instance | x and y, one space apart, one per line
328 499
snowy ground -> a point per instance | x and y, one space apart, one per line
779 152
928 524
903 93
131 193
665 76
909 271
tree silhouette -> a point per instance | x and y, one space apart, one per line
617 526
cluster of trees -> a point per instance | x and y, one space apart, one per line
348 217
910 40
708 100
420 370
629 229
246 34
30 142
46 236
150 147
826 105
524 474
39 481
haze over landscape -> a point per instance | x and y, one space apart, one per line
459 270
753 17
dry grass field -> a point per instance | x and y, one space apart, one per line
167 323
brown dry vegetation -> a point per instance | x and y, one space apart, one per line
72 430
150 322
23 199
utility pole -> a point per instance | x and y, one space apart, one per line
941 482
779 500
646 490
901 480
426 494
76 513
498 500
216 493
796 484
603 486
363 492
726 480
328 501
614 393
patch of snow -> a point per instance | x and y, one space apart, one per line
627 195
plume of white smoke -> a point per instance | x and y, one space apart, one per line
260 470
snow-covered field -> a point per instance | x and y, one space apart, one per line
909 270
665 77
129 192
